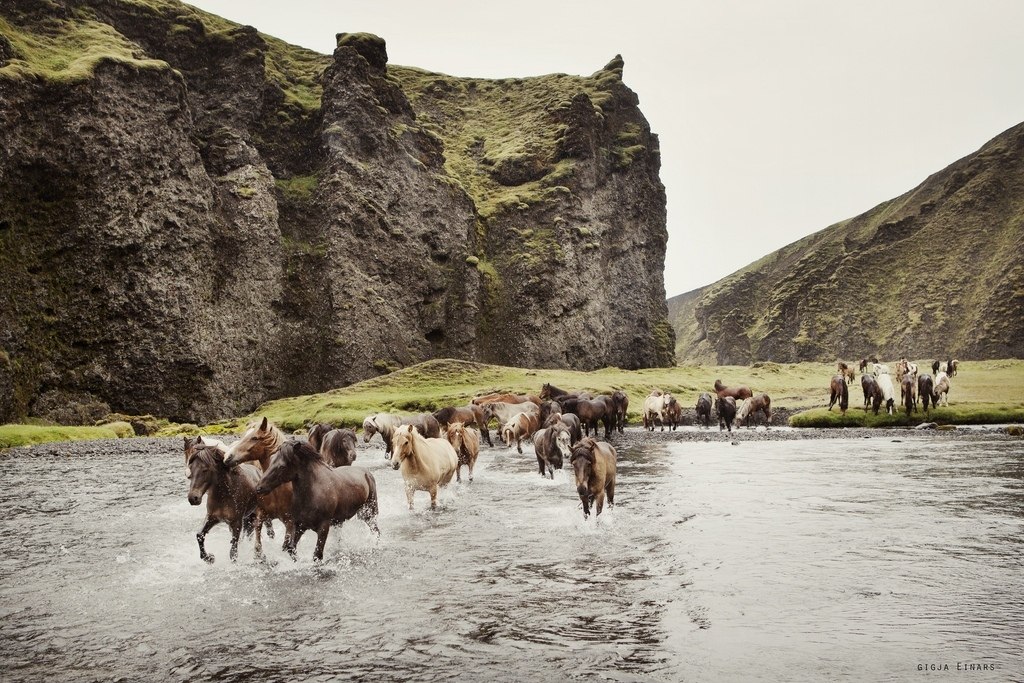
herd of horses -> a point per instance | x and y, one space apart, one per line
734 405
879 390
312 484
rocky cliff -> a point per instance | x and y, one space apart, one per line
936 272
196 217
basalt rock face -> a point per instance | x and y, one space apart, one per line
196 217
935 273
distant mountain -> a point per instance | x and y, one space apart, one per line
938 271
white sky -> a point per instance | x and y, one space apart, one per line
776 119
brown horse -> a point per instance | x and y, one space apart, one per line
839 392
872 392
324 496
506 398
230 494
518 427
592 411
952 367
704 409
466 442
726 412
673 413
336 446
195 442
385 424
737 393
472 415
552 445
761 403
925 386
847 372
908 393
259 443
593 463
620 401
572 423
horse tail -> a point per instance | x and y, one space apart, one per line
371 507
844 397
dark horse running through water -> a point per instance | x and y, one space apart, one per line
230 495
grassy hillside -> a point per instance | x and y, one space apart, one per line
934 272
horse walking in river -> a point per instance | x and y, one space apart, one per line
466 442
195 442
762 403
337 447
426 464
230 494
471 416
324 496
594 464
726 408
704 409
552 446
385 424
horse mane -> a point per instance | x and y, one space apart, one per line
271 439
406 434
209 454
300 451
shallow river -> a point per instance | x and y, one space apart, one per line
784 560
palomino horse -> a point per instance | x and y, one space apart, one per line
552 445
337 447
230 494
940 394
704 409
466 442
737 393
726 408
385 424
762 403
847 372
520 426
908 393
925 386
872 392
839 392
593 463
471 415
426 464
324 496
259 443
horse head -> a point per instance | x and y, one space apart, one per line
206 467
403 443
369 429
582 461
284 466
260 439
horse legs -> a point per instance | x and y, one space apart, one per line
540 464
269 522
458 473
599 502
519 444
291 542
487 434
408 494
258 543
321 541
236 530
201 539
433 497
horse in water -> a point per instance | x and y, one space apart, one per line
336 446
726 408
739 393
471 416
839 392
762 403
385 424
908 393
593 463
673 413
192 444
324 496
925 387
592 411
620 401
520 426
466 442
552 445
426 464
259 443
704 409
230 494
872 392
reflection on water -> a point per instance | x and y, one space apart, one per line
801 560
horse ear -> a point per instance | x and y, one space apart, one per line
199 441
263 425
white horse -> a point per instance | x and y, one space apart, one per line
888 392
881 369
506 411
654 409
941 390
426 464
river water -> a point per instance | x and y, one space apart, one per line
838 559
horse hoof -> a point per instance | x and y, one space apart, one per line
208 559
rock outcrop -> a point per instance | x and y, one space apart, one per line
934 273
196 217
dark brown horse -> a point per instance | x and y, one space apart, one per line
548 392
471 415
925 386
726 412
230 494
620 401
572 423
872 392
935 367
552 445
908 393
593 411
704 409
673 413
324 496
737 393
594 464
839 392
336 446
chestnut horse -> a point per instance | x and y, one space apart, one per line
426 464
704 409
324 496
840 392
737 393
466 442
762 403
593 463
726 412
259 443
520 426
673 413
230 494
471 415
847 372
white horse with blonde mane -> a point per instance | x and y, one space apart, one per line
426 464
654 409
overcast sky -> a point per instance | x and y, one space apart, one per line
776 119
